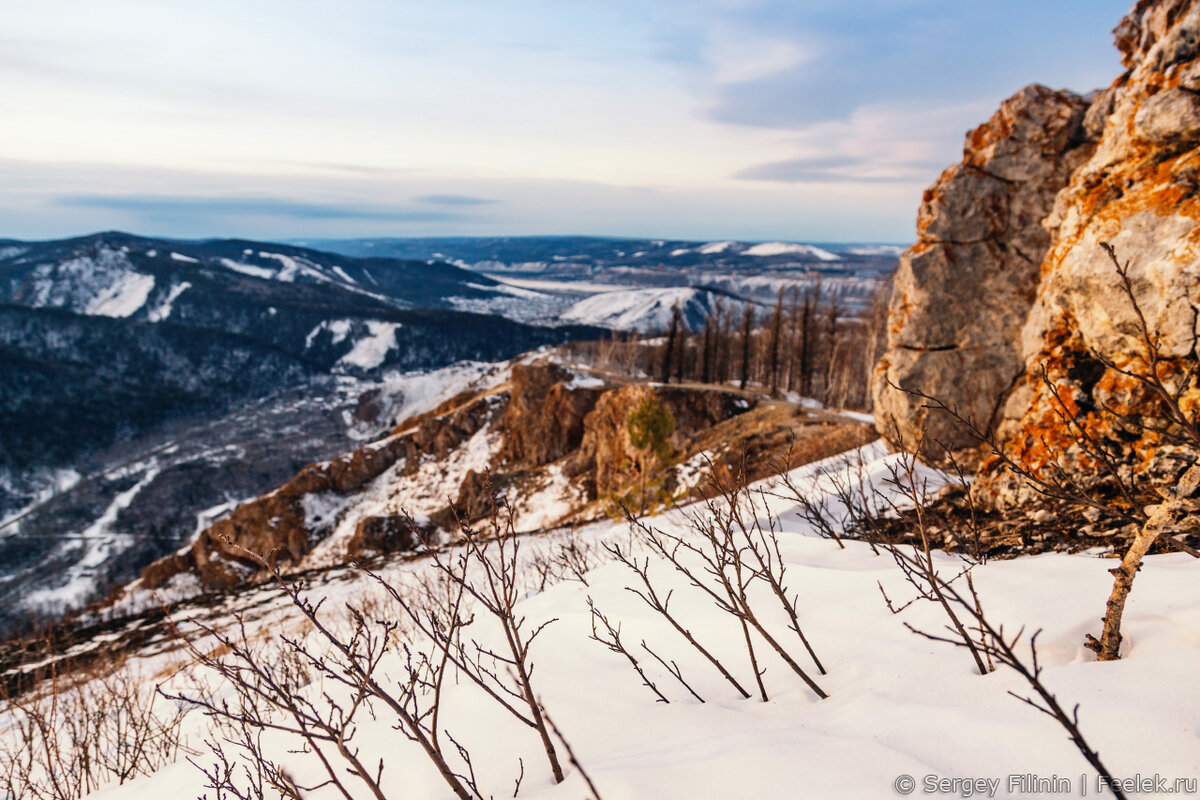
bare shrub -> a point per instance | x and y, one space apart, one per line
487 568
316 690
1168 381
566 558
75 733
727 553
967 625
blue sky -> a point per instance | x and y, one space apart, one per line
706 119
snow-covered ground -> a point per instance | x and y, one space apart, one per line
900 707
649 310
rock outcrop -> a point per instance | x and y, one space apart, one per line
553 440
976 324
964 290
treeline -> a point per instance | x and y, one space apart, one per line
807 343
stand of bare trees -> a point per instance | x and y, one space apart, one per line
807 343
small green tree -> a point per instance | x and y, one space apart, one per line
650 427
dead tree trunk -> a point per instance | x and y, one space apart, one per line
747 329
1176 504
669 354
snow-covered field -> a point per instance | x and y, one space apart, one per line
900 707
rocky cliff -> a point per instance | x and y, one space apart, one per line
1008 277
553 440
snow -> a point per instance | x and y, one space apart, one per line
163 310
418 392
549 503
248 269
636 309
683 251
790 248
183 258
35 487
503 288
584 381
294 267
123 297
575 287
713 248
290 267
417 494
338 328
372 350
875 250
816 405
899 704
100 543
341 273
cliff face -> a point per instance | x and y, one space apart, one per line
1008 277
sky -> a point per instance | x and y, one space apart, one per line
804 120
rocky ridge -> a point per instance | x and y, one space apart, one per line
1008 276
552 439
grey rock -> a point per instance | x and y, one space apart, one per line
1168 116
962 293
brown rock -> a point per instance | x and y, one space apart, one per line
1137 191
605 450
1169 116
380 535
544 419
1008 280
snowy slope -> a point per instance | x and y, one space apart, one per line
649 310
900 707
790 248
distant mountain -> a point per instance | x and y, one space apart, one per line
111 334
121 275
590 251
569 267
148 381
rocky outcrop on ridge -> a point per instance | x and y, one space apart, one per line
976 324
553 440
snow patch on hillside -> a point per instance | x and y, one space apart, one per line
248 269
548 503
418 494
123 297
338 329
164 308
372 350
100 541
412 393
647 310
712 248
789 249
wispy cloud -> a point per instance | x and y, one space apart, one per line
160 205
351 120
454 200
